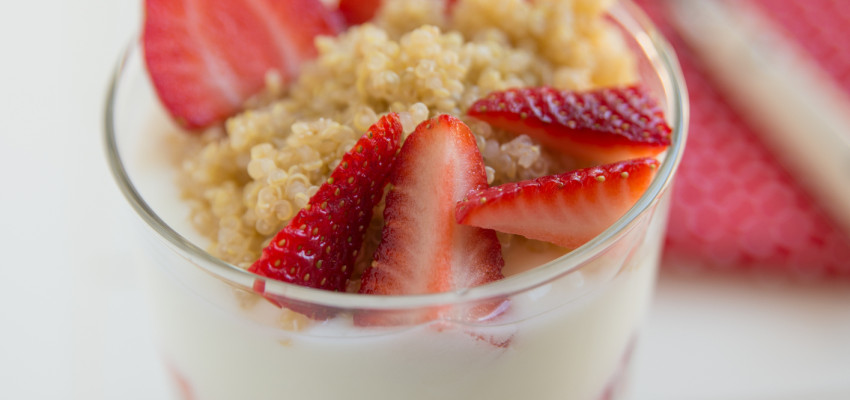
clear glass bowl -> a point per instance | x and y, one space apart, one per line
567 334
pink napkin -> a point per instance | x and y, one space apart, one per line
734 206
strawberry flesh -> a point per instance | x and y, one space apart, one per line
358 11
597 127
567 209
319 246
205 58
423 249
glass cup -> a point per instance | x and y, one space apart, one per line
567 333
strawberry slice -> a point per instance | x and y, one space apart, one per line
318 247
356 12
205 58
567 209
423 250
599 127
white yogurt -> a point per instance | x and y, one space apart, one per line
571 352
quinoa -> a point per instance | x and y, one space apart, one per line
246 181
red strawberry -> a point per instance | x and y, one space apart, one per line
206 58
567 209
358 11
318 247
423 249
600 126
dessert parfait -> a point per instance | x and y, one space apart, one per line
399 198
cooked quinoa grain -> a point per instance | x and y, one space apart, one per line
247 182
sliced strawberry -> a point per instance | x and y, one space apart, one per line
600 126
356 12
318 247
423 250
567 209
205 58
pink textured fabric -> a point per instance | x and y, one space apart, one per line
821 28
733 204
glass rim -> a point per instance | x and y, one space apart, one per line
626 13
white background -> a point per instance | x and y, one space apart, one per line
72 319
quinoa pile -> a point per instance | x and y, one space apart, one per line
247 181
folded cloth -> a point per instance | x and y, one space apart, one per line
734 206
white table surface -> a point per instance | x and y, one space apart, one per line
73 323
